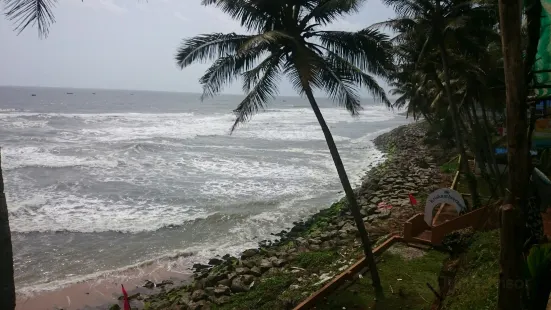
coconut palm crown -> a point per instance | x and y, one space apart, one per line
285 39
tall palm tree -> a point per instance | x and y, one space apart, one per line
286 39
7 286
440 22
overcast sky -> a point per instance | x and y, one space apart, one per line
126 44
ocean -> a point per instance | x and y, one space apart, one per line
100 180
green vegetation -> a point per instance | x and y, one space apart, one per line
405 285
320 220
315 260
476 282
266 295
483 187
449 167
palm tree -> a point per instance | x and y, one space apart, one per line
441 23
7 286
285 39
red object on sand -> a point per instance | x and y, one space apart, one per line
126 302
412 200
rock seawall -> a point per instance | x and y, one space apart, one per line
278 275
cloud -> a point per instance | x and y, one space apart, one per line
107 5
181 17
343 25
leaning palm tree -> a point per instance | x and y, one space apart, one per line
7 286
285 39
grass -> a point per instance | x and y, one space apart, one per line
450 167
476 282
268 294
321 220
315 260
404 285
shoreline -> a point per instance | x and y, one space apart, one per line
105 289
232 282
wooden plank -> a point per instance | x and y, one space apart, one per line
347 274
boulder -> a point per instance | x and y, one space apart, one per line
221 290
225 282
248 263
185 299
249 253
279 262
265 265
200 305
215 277
199 267
348 228
238 285
314 241
327 235
384 214
247 279
222 300
301 241
149 284
315 247
215 261
209 290
198 295
255 271
241 270
199 284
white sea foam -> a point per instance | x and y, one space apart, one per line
31 156
46 211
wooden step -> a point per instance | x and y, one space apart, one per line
424 236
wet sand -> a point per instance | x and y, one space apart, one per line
101 292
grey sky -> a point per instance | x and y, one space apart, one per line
126 44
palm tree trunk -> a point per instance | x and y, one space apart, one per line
477 145
471 181
7 286
513 222
351 197
491 151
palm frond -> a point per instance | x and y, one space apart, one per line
208 47
409 8
26 13
326 11
267 38
254 15
366 49
226 69
251 77
340 85
264 90
355 76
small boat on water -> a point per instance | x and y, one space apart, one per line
34 95
69 93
